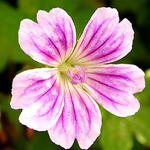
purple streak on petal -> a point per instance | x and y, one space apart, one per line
64 41
107 54
123 105
87 118
92 51
80 119
55 47
98 29
107 98
49 40
86 32
63 133
31 83
48 91
35 43
59 28
99 43
47 113
40 95
111 42
72 104
128 78
97 56
52 107
72 34
43 52
113 87
34 84
82 102
110 75
104 84
100 47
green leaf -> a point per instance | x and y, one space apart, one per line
128 5
30 7
9 49
41 141
140 125
116 134
5 107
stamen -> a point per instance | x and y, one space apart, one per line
77 74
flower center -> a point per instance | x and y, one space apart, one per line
76 73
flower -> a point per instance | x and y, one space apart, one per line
61 98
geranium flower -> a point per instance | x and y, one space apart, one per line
61 98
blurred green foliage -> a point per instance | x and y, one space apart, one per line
131 133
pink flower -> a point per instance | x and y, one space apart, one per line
60 98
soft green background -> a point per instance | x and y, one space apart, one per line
131 133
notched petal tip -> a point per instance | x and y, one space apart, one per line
13 102
106 10
41 13
126 24
13 105
24 21
86 144
131 110
61 140
139 78
25 25
57 10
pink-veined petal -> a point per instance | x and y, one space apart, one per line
49 40
40 95
60 29
63 133
128 78
104 39
113 87
83 119
36 43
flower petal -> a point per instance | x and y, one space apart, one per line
128 78
40 96
36 43
104 39
80 119
113 85
63 133
60 29
49 40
